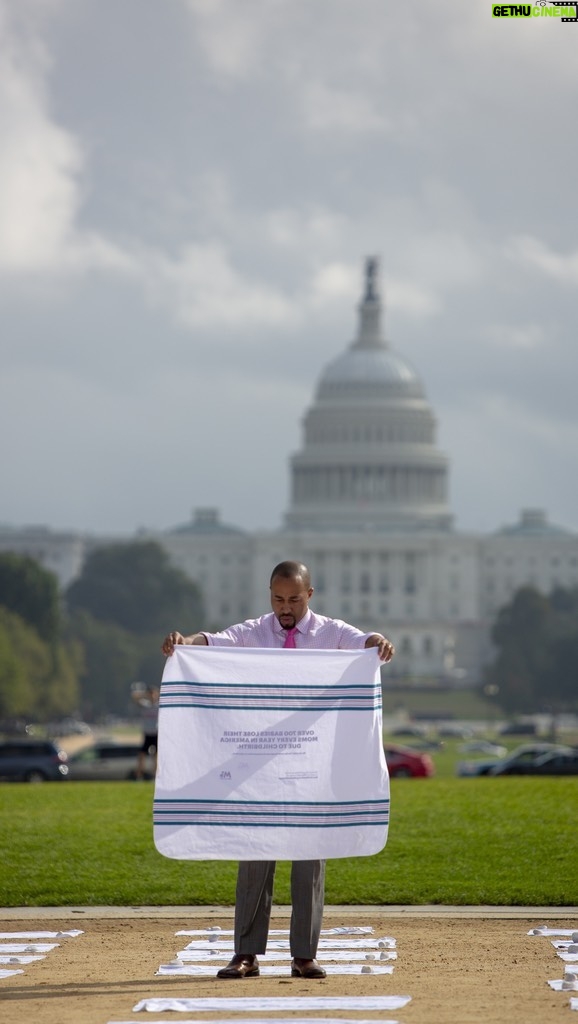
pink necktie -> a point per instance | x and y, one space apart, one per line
290 638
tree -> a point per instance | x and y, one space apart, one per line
536 663
37 672
134 586
37 679
125 601
560 676
30 591
110 662
15 685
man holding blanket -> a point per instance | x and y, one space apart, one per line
291 624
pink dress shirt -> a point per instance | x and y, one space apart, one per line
312 631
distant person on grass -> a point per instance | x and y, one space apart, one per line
291 624
147 697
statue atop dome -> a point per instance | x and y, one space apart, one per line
371 275
370 334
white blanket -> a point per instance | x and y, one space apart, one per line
275 1020
263 1005
283 944
221 956
270 755
277 971
41 935
214 932
23 947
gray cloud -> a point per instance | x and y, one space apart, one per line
189 191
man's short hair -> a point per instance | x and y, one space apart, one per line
292 571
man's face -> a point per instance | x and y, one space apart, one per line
289 600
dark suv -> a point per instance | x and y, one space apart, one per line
32 761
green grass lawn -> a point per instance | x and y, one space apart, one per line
458 841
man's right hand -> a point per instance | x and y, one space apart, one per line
174 638
171 641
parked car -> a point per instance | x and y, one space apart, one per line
15 727
408 730
554 762
484 747
527 754
425 743
32 761
458 732
402 762
106 760
519 729
68 727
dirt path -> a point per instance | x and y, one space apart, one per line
458 970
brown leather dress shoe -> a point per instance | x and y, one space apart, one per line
243 965
302 968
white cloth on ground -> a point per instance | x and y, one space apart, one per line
215 1005
387 942
544 929
560 984
25 947
189 956
208 971
20 959
276 1020
40 935
213 933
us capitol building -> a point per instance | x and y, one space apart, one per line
369 514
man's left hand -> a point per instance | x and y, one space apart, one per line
385 648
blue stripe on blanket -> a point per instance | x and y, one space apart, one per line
274 697
275 687
271 813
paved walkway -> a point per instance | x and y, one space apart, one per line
539 914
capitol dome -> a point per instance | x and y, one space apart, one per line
369 459
368 372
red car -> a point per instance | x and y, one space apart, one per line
403 762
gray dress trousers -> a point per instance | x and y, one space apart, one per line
254 898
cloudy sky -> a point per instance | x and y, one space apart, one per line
188 189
